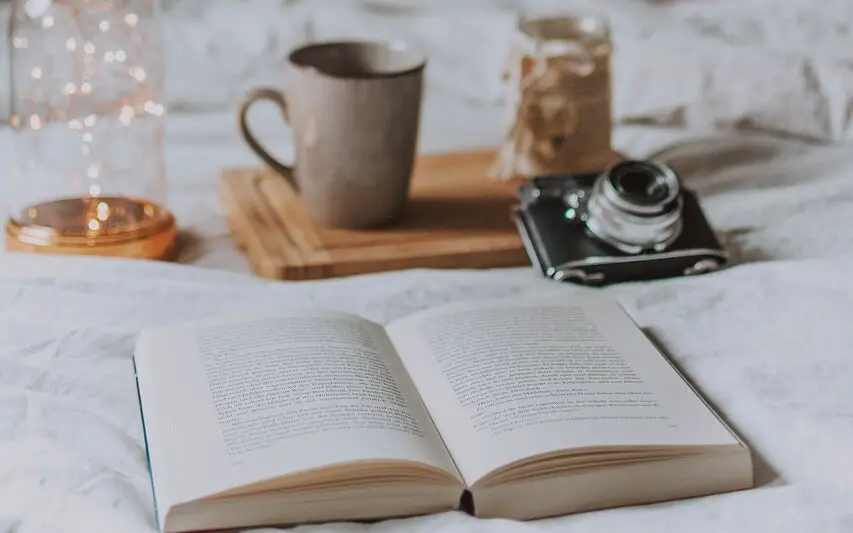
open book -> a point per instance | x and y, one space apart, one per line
515 409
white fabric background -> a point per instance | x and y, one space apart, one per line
767 341
769 65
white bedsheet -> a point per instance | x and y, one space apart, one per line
768 341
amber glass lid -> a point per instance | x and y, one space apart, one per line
110 226
82 220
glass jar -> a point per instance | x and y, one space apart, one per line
559 104
88 115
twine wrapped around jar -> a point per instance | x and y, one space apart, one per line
559 108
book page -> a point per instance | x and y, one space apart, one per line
506 380
232 403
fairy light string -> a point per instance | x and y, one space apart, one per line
91 69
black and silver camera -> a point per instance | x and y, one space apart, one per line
632 222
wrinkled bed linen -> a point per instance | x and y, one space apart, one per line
767 341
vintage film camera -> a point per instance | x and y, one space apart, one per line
632 222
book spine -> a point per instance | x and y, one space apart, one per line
466 503
145 441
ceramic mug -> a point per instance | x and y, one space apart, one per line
354 108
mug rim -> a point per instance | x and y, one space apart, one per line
395 45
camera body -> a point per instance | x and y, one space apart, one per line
631 222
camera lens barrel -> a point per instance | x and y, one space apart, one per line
635 207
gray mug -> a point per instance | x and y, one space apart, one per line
354 108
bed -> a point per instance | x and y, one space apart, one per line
758 128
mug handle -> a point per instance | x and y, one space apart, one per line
276 97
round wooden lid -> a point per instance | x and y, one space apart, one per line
104 226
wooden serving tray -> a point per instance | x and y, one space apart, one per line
456 218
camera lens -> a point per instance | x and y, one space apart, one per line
640 186
636 206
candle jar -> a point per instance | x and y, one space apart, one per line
559 104
88 118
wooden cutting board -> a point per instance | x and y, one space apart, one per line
456 218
